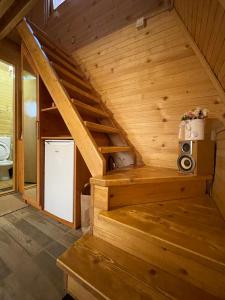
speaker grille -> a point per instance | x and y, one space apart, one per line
186 163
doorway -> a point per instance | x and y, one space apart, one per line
29 131
7 127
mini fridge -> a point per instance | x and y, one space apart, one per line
59 178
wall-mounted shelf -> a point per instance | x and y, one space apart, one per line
50 109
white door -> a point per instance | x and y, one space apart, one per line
59 178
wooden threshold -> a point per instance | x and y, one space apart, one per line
91 98
100 128
114 149
89 110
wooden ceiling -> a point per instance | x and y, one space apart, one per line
205 20
11 12
80 22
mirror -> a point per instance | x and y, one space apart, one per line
29 130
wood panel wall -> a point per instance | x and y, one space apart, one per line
147 79
205 20
77 23
219 180
6 99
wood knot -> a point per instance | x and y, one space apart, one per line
165 98
183 271
152 272
163 145
164 249
182 189
147 32
164 120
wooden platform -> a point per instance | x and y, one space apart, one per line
143 175
185 237
98 270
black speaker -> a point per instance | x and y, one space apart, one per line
185 161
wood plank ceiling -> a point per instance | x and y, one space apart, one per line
11 12
81 22
205 20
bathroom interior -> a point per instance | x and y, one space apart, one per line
7 95
8 128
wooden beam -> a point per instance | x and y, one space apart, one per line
84 140
14 15
4 6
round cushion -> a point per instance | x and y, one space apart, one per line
4 151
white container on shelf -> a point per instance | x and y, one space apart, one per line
195 129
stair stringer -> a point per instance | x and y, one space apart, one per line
87 146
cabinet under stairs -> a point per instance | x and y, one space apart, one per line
155 235
86 117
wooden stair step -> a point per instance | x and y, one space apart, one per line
71 75
114 149
40 34
89 110
92 99
108 272
44 41
54 56
100 128
186 238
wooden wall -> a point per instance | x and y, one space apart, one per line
205 20
6 99
148 78
219 181
77 23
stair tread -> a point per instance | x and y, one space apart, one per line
54 56
57 67
91 98
192 225
113 273
144 175
100 127
89 109
113 149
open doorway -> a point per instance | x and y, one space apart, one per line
29 88
7 126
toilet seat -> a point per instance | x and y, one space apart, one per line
4 152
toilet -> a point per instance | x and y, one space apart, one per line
5 164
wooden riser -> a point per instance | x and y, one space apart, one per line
200 261
117 196
99 270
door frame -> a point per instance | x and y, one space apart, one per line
21 187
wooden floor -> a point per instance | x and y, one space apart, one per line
142 175
192 225
6 185
29 245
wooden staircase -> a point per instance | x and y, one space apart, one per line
156 234
82 110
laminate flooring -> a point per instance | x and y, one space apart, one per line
30 242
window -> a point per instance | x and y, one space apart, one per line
56 3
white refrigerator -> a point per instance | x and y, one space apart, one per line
59 178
